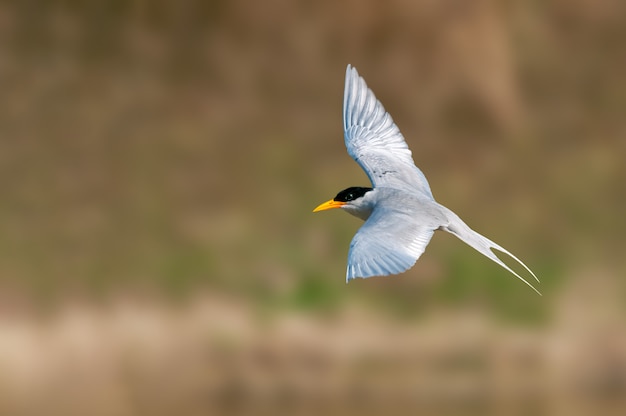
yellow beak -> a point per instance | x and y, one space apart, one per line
329 205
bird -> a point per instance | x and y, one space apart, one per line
399 210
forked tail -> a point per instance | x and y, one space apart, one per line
482 244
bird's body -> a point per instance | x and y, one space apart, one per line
400 212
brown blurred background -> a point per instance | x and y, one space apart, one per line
159 162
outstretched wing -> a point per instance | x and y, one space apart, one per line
374 141
389 242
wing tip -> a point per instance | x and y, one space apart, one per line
351 273
351 73
367 270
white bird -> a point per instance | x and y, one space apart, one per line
400 212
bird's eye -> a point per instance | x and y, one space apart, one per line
350 197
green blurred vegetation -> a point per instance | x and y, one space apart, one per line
174 147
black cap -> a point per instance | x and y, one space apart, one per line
352 193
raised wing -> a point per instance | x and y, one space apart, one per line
389 242
374 141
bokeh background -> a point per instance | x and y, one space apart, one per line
160 160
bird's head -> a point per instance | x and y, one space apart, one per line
355 200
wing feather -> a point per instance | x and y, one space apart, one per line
389 242
374 141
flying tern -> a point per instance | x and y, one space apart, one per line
399 211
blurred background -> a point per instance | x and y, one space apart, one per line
160 160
